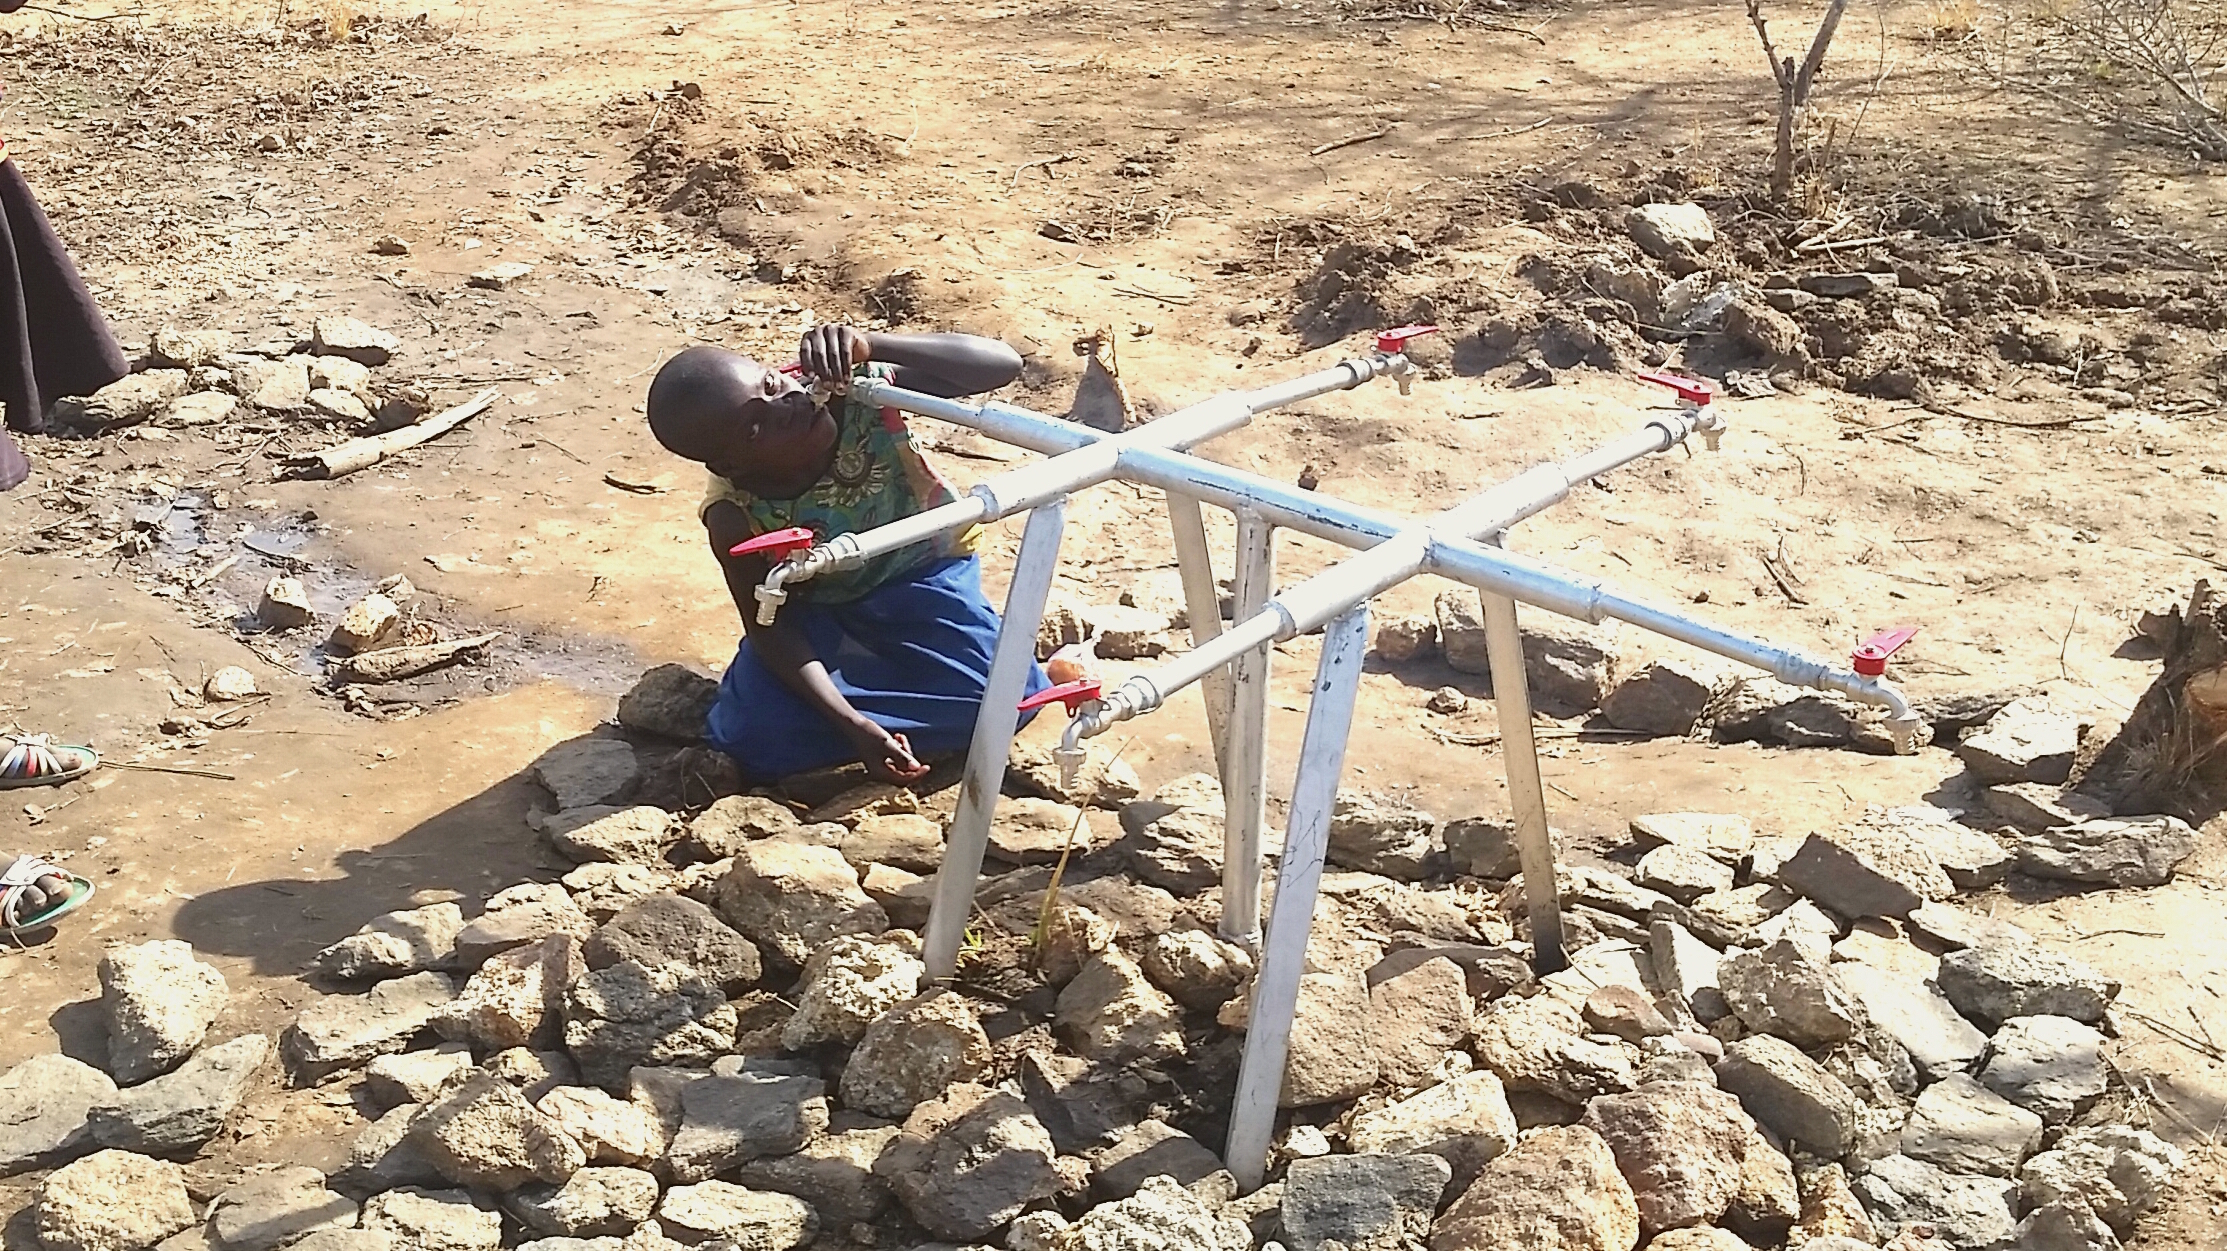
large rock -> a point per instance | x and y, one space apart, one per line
159 1003
1940 1041
1968 1213
184 1108
1789 992
1416 1017
516 999
1465 1120
588 771
1333 1052
394 944
668 929
1485 847
416 1076
722 1214
1380 834
1996 981
913 1053
1964 1127
1069 937
612 1131
2065 1227
730 1120
1666 697
1866 872
736 821
2135 851
517 917
604 833
1671 231
592 1203
1150 1149
1180 850
1558 1190
1769 1198
1162 1214
1198 969
1679 1145
1688 969
2052 1066
1683 873
1534 1046
1830 1210
627 1015
834 1173
970 1162
847 984
111 1201
1105 780
1027 830
1790 1094
904 839
2028 741
671 701
789 898
1111 1012
276 1209
384 1156
1361 1202
127 401
341 1031
2116 1171
484 1134
44 1105
358 341
420 1219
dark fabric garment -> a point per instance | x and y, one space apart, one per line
13 468
53 339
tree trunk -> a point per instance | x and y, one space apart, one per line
2171 755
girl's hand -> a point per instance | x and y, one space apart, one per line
830 352
887 757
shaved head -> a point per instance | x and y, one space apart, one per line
754 426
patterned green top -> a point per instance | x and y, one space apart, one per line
878 476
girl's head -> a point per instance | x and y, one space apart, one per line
754 426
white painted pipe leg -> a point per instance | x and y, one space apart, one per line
1245 780
1511 696
1202 602
1260 1078
993 737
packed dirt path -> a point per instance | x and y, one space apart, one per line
1035 172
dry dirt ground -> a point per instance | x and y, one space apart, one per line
730 172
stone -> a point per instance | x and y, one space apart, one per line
2036 806
907 840
2052 1066
587 771
1680 1147
280 386
1027 830
1533 1046
789 898
1720 836
346 1240
668 929
1996 981
594 1202
45 1104
1361 1202
1149 1149
834 1173
628 1014
847 984
158 1002
1671 231
1805 925
357 341
1111 1012
1104 780
602 832
1624 1012
534 1073
343 405
2134 851
2028 741
393 944
276 1209
913 1053
1665 697
285 605
338 373
1067 938
1557 1190
127 401
184 1108
342 1031
1723 917
969 1163
1465 1120
516 999
730 1120
1161 1214
415 1076
1415 1018
1461 632
502 276
1830 1210
1084 1108
671 701
1688 969
1854 285
733 822
1769 1198
612 1131
1126 633
1940 1041
1683 873
111 1201
1788 991
420 1219
1484 847
722 1214
1865 872
484 1134
1972 860
603 890
2065 1227
1956 929
1968 1213
1403 640
1333 1053
1378 834
201 408
2116 1171
1701 1238
1964 1127
906 898
1180 850
189 349
383 1156
1790 1094
519 917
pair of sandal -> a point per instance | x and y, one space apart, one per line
36 893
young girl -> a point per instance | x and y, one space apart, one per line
884 664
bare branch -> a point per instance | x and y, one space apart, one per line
1816 58
1781 72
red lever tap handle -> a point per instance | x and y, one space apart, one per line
1390 341
1073 694
776 543
1690 390
1870 656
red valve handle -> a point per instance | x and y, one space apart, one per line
778 543
1073 694
1870 657
1690 390
1390 341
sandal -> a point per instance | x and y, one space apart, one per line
35 893
37 760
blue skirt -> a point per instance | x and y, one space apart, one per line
913 655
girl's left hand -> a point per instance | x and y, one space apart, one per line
830 352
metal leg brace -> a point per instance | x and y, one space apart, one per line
1511 696
1245 773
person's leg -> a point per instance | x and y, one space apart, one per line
767 728
66 345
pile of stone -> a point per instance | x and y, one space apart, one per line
202 378
716 1030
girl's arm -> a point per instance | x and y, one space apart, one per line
948 365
